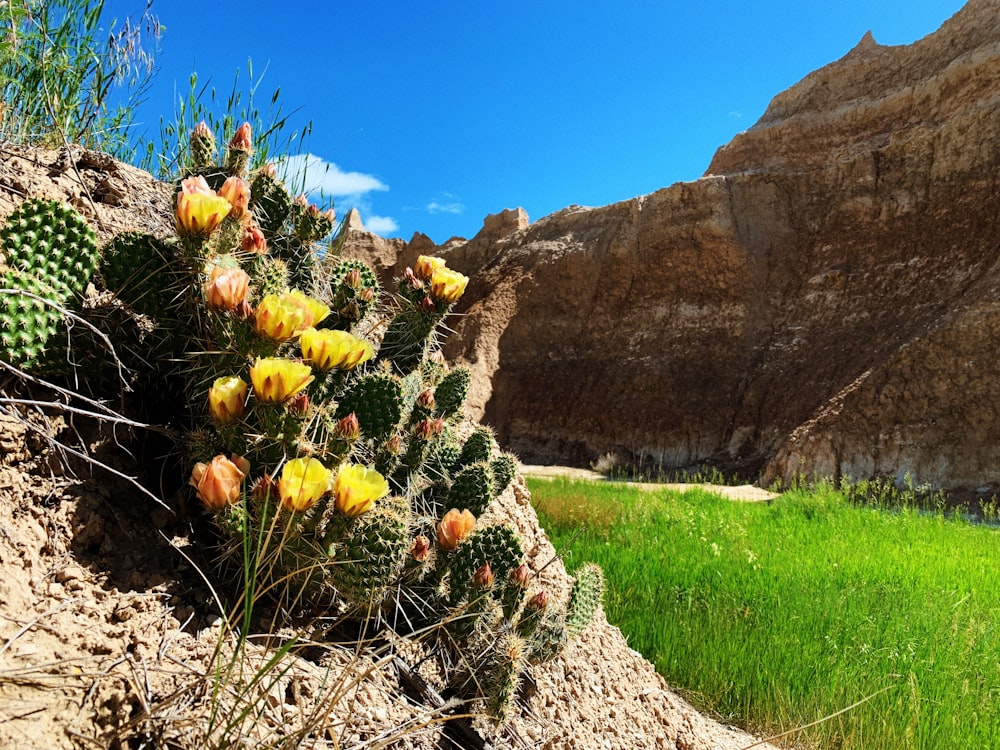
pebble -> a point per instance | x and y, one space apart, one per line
69 573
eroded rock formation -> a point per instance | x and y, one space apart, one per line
825 300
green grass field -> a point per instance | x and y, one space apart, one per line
774 615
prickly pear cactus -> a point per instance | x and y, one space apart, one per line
323 423
51 253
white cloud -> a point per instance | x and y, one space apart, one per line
380 224
446 203
308 173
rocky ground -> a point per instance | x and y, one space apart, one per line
113 611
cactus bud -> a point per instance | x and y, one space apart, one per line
227 399
353 278
264 490
427 305
520 576
253 240
241 140
411 279
366 295
348 427
219 482
455 528
426 400
483 577
298 405
227 288
421 548
394 445
236 190
202 143
539 602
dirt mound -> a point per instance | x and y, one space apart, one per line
112 626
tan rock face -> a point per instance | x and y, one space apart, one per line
824 301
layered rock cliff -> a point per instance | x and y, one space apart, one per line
824 301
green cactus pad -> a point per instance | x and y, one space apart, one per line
377 400
136 267
452 391
547 640
28 326
351 303
367 552
52 242
497 545
584 599
479 446
504 469
472 489
270 201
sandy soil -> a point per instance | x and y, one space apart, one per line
744 492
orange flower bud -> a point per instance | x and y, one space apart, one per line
357 488
483 577
348 427
455 528
242 140
426 399
538 602
236 190
447 285
227 399
276 380
520 576
327 349
264 490
421 548
218 483
303 481
227 288
298 405
253 240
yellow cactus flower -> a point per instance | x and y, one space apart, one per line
447 285
426 265
227 399
199 210
357 488
219 483
314 310
227 288
455 528
303 481
276 380
278 319
327 349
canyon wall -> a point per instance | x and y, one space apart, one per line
825 301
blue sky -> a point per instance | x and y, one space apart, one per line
436 114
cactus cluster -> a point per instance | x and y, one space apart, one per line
324 429
51 254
